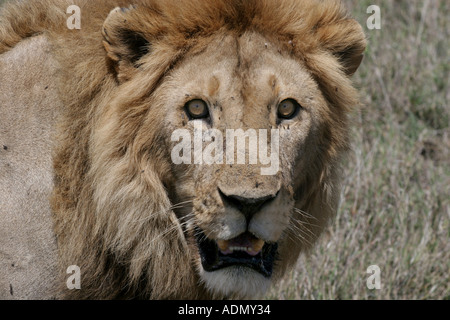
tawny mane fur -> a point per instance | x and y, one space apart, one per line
113 179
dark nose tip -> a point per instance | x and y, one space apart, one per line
248 206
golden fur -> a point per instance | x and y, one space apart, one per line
116 191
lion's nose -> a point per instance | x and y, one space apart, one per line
248 206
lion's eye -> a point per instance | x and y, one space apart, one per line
197 109
288 108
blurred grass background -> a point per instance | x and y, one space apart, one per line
395 207
395 201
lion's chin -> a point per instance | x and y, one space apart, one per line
235 282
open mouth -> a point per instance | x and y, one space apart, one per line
245 250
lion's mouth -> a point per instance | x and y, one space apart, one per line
245 250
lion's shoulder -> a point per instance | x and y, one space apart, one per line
29 106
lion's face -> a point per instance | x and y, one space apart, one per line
215 151
237 216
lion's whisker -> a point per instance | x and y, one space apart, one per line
298 237
303 238
179 205
304 213
300 232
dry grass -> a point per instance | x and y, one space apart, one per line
395 207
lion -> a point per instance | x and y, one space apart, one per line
100 106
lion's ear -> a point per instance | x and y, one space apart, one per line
347 41
124 44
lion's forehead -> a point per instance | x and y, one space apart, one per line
236 61
241 74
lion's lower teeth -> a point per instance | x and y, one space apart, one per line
240 249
